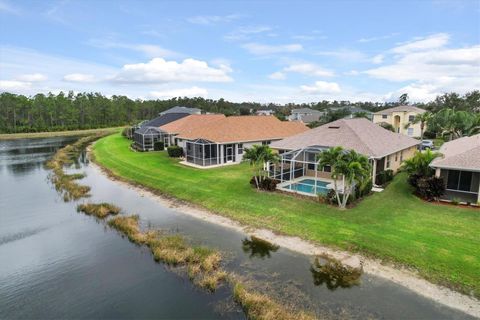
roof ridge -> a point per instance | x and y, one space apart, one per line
348 121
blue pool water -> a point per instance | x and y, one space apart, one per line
308 186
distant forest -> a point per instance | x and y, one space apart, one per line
69 111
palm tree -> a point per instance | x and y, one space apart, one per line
452 123
257 155
352 166
421 118
420 163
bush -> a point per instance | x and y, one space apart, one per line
413 179
384 176
267 184
158 146
362 192
126 132
429 135
175 151
430 188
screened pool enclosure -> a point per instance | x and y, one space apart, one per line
203 152
146 137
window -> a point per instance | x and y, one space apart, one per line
266 143
459 180
388 161
240 148
401 156
411 118
311 166
327 169
396 156
384 116
410 131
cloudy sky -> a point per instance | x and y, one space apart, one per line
282 51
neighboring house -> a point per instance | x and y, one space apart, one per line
264 112
298 170
353 110
223 141
399 117
306 115
180 109
148 132
459 166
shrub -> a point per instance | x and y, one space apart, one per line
158 146
430 188
361 192
125 132
267 184
413 178
175 151
384 177
429 135
331 198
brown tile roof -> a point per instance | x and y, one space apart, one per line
401 109
244 128
358 134
463 153
191 123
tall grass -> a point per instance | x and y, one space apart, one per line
99 210
64 183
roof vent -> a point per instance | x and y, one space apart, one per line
333 127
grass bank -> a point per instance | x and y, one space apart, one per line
33 135
441 242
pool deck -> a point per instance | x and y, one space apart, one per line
284 185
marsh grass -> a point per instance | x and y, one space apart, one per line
64 183
99 210
260 306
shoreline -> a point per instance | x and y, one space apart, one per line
398 275
51 134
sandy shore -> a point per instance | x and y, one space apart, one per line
400 276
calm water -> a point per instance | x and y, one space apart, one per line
57 263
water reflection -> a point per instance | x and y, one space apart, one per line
258 248
334 274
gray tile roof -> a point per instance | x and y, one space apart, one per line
358 134
180 109
401 109
463 153
305 110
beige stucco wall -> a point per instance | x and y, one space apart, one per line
397 158
378 118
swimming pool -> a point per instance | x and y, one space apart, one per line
308 186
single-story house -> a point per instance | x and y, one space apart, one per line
180 109
400 118
149 132
299 171
459 166
268 112
224 140
305 115
353 111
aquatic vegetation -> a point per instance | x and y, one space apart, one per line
99 210
332 273
65 183
258 247
129 226
261 306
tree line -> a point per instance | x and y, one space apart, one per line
69 111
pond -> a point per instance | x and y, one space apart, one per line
58 263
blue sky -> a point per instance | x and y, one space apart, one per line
265 51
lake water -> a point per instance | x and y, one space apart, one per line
57 263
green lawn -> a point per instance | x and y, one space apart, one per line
441 242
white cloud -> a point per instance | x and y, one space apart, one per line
416 92
370 39
149 50
420 44
246 32
321 87
378 59
184 92
345 55
352 73
277 76
211 20
159 70
79 77
33 77
14 85
309 69
8 7
264 49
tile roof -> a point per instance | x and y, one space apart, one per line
191 123
164 119
463 153
180 109
305 110
244 128
401 109
358 134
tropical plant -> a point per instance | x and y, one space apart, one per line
421 118
387 126
353 167
452 123
403 99
419 164
257 156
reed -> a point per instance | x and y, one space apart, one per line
99 210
